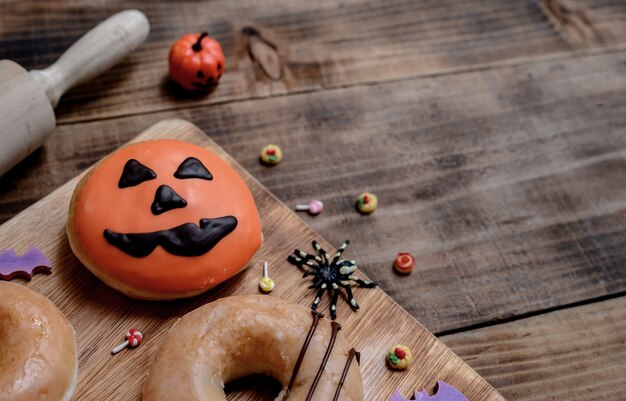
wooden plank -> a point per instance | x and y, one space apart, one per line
507 185
319 44
100 314
571 354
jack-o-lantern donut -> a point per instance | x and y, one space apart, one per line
242 335
162 220
37 348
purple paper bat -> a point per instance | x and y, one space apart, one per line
24 266
444 392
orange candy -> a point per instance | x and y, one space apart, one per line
404 263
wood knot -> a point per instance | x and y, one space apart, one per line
573 24
263 53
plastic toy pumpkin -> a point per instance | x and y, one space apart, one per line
163 219
196 61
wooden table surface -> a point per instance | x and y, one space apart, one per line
493 132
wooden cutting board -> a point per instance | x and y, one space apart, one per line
101 316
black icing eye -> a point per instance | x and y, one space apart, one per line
192 168
134 174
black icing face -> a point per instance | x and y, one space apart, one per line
188 239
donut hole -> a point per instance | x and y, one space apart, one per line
259 387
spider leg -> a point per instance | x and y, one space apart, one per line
363 283
333 302
318 297
321 251
346 267
340 251
295 260
303 255
316 284
351 300
317 280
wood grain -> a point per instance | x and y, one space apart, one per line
506 185
319 45
101 315
507 137
571 354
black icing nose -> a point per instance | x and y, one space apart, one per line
166 199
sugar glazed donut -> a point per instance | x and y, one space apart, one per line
37 348
243 335
163 220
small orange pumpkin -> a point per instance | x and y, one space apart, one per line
196 61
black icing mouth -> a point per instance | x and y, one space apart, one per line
188 239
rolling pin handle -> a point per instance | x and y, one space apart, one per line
98 50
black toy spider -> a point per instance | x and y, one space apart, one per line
330 275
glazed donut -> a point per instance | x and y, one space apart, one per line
37 348
162 220
243 335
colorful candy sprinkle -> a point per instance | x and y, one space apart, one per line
404 263
399 357
271 155
366 203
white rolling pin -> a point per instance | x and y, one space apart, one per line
27 99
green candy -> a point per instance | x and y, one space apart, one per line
393 358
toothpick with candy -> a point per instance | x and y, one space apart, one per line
266 283
133 339
314 207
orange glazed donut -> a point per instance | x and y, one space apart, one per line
163 220
37 348
255 334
